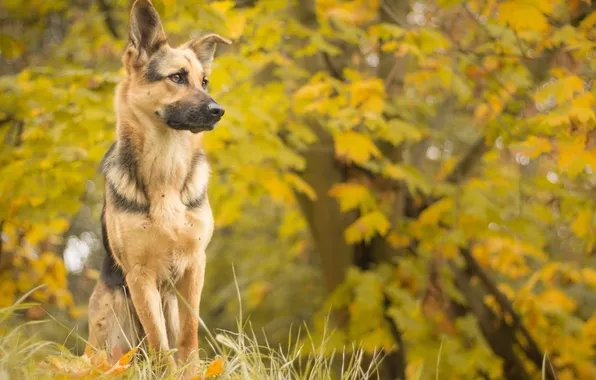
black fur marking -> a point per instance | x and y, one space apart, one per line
128 161
197 201
197 158
152 74
105 163
127 205
110 273
157 45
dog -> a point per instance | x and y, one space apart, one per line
156 220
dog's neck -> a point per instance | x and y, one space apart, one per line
167 166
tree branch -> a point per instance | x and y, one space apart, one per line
499 337
107 14
460 172
531 350
465 166
5 120
396 360
332 69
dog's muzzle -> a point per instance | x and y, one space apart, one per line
193 118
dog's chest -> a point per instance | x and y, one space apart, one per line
178 223
165 162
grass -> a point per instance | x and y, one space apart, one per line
238 355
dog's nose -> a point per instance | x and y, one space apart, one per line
215 109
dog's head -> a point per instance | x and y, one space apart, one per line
169 85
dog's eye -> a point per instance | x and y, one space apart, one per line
176 78
205 82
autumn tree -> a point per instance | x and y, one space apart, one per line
439 155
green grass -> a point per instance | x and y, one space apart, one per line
23 355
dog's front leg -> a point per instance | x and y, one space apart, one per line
190 288
146 300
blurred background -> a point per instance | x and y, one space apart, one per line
420 171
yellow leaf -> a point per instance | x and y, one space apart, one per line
215 368
481 112
398 240
368 95
354 12
88 351
59 225
432 215
589 22
36 201
557 118
355 147
278 189
36 234
535 146
350 195
555 300
562 90
228 212
300 185
235 25
570 156
523 16
582 223
127 357
366 227
395 172
582 108
589 276
312 91
222 6
448 250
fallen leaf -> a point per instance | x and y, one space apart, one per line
215 368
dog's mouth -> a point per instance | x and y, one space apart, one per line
193 128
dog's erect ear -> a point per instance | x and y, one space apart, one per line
204 48
146 32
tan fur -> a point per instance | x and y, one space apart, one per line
167 244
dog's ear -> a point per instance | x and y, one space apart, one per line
204 48
146 32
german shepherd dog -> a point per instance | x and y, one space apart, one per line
156 220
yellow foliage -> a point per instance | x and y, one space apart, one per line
571 156
350 195
368 95
354 12
300 185
257 292
433 214
535 146
561 90
354 146
525 15
589 276
397 240
555 300
582 223
366 227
